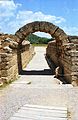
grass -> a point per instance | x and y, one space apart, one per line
8 83
4 85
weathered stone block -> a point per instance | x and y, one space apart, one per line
4 73
58 32
20 36
74 53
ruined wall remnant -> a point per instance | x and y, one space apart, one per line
9 57
51 51
70 62
67 59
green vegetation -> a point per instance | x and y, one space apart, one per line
34 39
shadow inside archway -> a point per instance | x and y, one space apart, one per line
37 72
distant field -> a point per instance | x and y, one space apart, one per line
45 45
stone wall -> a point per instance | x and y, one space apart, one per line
10 59
8 67
51 51
70 62
26 54
67 59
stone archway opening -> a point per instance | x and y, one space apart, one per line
39 38
42 26
43 34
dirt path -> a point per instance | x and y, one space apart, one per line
37 88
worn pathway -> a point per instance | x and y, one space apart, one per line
37 87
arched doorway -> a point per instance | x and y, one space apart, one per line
60 36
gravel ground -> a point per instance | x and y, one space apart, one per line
38 89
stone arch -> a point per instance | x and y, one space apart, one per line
60 36
42 26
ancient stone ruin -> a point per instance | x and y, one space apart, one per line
63 51
13 58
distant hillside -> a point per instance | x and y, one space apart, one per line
34 39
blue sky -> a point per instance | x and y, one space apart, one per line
16 13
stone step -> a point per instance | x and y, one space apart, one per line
36 112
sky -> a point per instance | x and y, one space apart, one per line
16 13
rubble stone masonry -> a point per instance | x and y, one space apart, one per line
9 69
